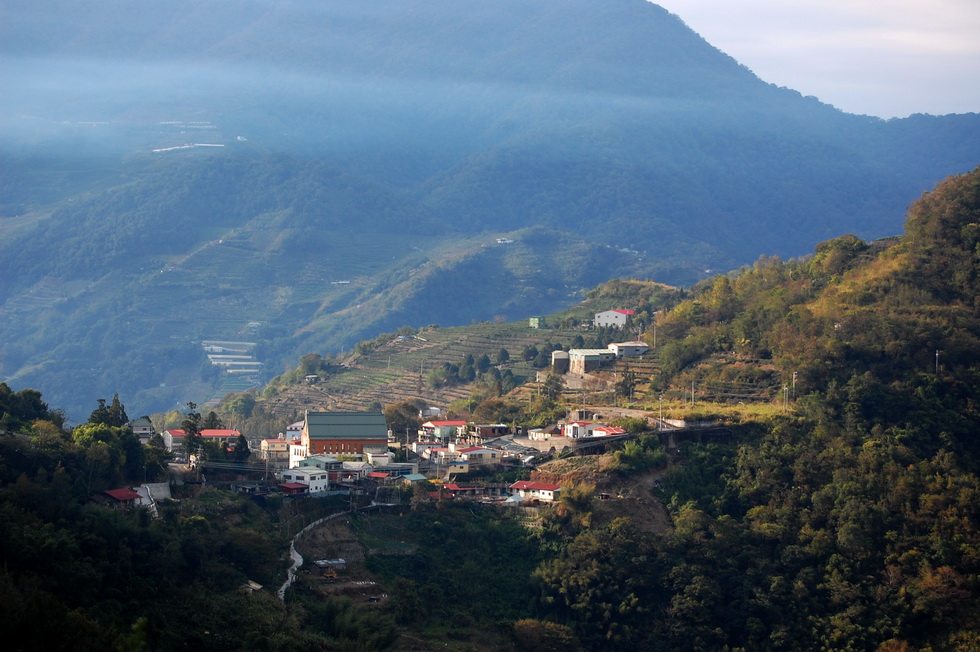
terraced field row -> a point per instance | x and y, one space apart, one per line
447 347
405 389
397 370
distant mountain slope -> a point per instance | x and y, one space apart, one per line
504 114
382 143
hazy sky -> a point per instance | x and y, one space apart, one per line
888 58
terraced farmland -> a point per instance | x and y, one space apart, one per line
396 371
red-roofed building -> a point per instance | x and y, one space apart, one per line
222 435
528 490
613 318
380 477
173 438
577 429
457 491
120 498
294 489
607 431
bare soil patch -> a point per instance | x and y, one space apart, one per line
634 497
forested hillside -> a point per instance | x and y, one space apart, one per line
180 173
847 518
852 522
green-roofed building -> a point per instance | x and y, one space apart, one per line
344 432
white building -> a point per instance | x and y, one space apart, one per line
316 479
628 349
614 318
479 456
578 429
297 452
527 490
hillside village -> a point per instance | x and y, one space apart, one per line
346 451
824 475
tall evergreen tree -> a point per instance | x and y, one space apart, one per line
212 422
100 414
117 413
191 425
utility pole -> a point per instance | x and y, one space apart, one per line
794 385
937 362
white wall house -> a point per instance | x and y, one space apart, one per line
479 456
297 452
628 349
614 318
316 479
528 490
578 429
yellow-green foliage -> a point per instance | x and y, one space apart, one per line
852 306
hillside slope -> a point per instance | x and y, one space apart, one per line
181 172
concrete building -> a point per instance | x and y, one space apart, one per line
275 452
613 318
343 432
143 428
527 490
560 361
441 431
316 479
582 361
628 349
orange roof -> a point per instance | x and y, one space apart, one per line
220 433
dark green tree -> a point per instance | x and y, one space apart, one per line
117 413
100 414
608 605
240 451
191 425
212 422
552 387
19 409
627 383
402 417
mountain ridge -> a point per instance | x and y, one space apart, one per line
362 143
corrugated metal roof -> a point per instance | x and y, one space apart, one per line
347 425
